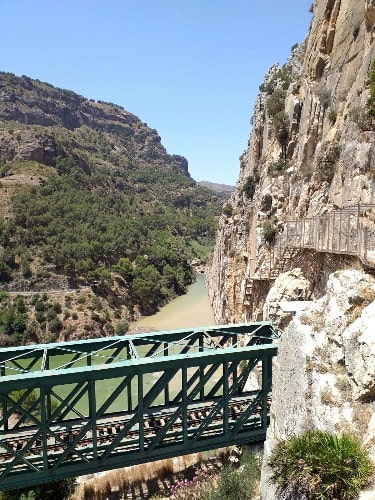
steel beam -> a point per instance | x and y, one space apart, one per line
171 393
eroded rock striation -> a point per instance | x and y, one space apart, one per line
311 152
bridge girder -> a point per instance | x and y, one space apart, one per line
125 400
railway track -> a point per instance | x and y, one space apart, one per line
70 436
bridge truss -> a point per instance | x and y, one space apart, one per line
75 408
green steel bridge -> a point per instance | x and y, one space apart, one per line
75 408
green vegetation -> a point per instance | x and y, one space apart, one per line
371 99
276 102
280 80
327 162
320 465
230 483
228 209
105 201
58 490
325 98
269 229
14 328
277 168
332 116
250 185
281 127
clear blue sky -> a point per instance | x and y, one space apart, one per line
188 68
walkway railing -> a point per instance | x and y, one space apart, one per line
348 231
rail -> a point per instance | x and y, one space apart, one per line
347 231
76 408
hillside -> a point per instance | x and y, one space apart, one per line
307 182
224 189
89 195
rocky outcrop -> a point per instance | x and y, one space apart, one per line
311 150
324 371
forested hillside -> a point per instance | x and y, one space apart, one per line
89 194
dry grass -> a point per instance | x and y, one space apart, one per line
327 397
141 481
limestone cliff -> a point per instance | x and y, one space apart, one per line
311 152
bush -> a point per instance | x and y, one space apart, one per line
269 230
121 328
322 465
238 484
325 98
332 116
278 167
327 162
276 102
371 99
228 210
250 185
58 490
230 483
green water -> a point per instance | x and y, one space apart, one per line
187 311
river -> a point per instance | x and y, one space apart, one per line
187 311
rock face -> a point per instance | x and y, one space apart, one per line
311 151
324 371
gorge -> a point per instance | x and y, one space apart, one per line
310 153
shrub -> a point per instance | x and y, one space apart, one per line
238 484
325 98
276 102
327 162
322 465
278 167
229 484
306 170
361 117
55 325
269 230
58 490
228 209
250 185
121 328
332 116
371 99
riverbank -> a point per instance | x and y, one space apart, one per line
191 310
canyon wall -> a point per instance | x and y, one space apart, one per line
311 152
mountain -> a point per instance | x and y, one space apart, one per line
89 195
223 189
308 173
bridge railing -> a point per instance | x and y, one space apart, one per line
120 401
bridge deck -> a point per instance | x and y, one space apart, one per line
119 401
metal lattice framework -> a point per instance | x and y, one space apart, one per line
75 408
350 231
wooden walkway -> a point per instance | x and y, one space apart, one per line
346 231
